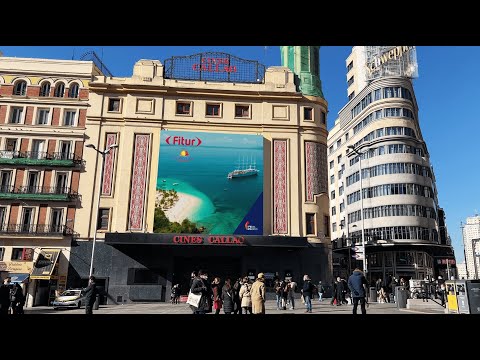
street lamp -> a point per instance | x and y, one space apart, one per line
365 269
103 153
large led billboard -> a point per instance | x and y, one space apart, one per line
209 183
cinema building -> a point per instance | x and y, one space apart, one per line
43 106
381 179
220 165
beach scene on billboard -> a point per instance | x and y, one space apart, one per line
209 183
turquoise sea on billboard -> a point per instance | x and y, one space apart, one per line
197 165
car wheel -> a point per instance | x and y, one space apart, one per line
55 308
79 305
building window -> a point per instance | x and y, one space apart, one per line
350 66
330 149
334 210
20 88
340 190
339 158
351 80
332 195
22 254
2 252
42 116
45 89
16 115
324 117
310 220
346 136
351 96
242 111
69 118
307 113
339 143
73 91
334 227
331 164
332 179
3 211
213 110
342 206
114 105
326 225
59 90
183 108
103 219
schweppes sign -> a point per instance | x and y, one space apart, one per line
392 54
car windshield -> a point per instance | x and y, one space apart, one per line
70 293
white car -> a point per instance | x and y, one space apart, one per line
72 298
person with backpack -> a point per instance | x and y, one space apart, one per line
246 296
321 291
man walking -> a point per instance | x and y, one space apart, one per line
356 284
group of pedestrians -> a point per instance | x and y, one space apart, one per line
12 299
241 297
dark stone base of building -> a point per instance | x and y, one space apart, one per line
143 267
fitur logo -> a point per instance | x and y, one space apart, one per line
249 227
184 155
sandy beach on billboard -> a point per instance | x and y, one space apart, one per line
185 206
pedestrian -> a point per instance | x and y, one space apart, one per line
340 291
246 295
356 284
199 288
227 297
5 295
90 294
217 295
236 296
307 293
292 286
258 295
334 300
17 299
321 291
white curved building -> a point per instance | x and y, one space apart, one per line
396 185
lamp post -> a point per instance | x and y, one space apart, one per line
365 267
102 153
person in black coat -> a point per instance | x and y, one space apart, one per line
357 283
227 297
5 296
340 291
18 299
90 293
199 287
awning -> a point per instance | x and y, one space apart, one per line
45 264
19 278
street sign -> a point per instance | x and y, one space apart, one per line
358 249
358 256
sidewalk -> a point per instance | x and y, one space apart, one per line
319 308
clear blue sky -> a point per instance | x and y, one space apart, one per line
447 92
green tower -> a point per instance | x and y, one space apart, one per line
304 61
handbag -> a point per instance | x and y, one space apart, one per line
193 299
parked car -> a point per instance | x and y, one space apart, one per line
72 298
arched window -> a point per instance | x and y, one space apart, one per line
20 88
45 89
73 92
59 90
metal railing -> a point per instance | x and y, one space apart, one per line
35 229
40 155
40 190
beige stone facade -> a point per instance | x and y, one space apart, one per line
147 105
43 106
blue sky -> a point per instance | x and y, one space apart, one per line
447 92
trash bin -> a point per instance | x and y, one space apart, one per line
401 295
97 302
372 297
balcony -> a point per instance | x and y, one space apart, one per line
43 193
39 158
35 230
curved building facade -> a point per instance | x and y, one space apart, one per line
379 163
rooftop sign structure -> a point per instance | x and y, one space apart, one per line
384 61
214 66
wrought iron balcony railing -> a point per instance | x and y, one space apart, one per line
39 158
35 229
54 193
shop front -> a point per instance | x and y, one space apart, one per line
144 267
46 283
